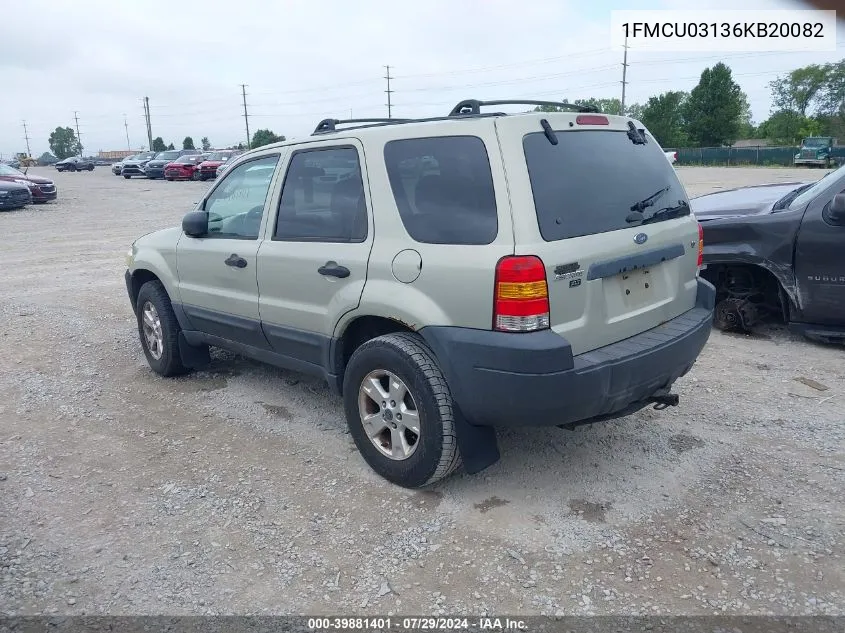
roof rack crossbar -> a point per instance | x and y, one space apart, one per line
473 106
330 125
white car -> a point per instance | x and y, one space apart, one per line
672 156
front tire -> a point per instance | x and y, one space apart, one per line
159 330
399 411
127 176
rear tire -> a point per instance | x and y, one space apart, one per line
159 330
401 364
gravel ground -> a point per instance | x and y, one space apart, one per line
239 490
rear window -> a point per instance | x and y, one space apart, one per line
443 188
589 181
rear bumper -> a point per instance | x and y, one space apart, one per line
501 379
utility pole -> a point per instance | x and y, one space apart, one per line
149 127
78 135
126 126
624 73
26 136
246 116
388 92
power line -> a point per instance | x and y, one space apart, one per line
78 135
147 121
26 136
126 126
246 116
388 92
624 73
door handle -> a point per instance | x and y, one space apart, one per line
332 269
236 260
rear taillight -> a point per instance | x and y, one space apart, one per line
521 295
700 246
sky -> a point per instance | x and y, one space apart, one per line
303 61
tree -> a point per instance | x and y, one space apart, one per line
171 146
63 142
206 144
799 88
607 106
188 143
712 111
745 126
783 127
264 137
635 111
831 97
663 116
158 145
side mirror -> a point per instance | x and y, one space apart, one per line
835 213
195 224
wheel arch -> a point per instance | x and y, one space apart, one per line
787 296
354 333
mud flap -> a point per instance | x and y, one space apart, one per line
478 445
193 356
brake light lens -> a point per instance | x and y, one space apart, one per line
700 245
591 119
521 296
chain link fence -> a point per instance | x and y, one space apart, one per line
762 155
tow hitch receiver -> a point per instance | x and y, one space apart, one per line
665 400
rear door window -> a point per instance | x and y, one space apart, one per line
591 181
443 188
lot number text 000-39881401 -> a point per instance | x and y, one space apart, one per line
710 30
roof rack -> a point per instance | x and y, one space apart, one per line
473 106
330 125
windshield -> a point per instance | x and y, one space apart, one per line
219 156
815 142
5 170
168 155
188 159
591 181
805 196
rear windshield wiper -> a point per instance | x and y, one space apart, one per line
647 202
668 213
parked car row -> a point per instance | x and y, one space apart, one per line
178 164
39 189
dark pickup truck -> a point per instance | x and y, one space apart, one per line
778 250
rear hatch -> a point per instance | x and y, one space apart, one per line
610 220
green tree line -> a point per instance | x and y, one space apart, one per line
808 101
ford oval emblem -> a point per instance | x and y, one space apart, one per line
640 238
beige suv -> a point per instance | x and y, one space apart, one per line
445 276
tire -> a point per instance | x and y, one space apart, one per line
169 179
169 360
127 176
90 167
203 178
434 455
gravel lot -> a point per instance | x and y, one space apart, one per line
238 490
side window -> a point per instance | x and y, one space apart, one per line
236 205
323 197
443 188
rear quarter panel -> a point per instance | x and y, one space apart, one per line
455 282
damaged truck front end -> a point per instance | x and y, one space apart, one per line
777 252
